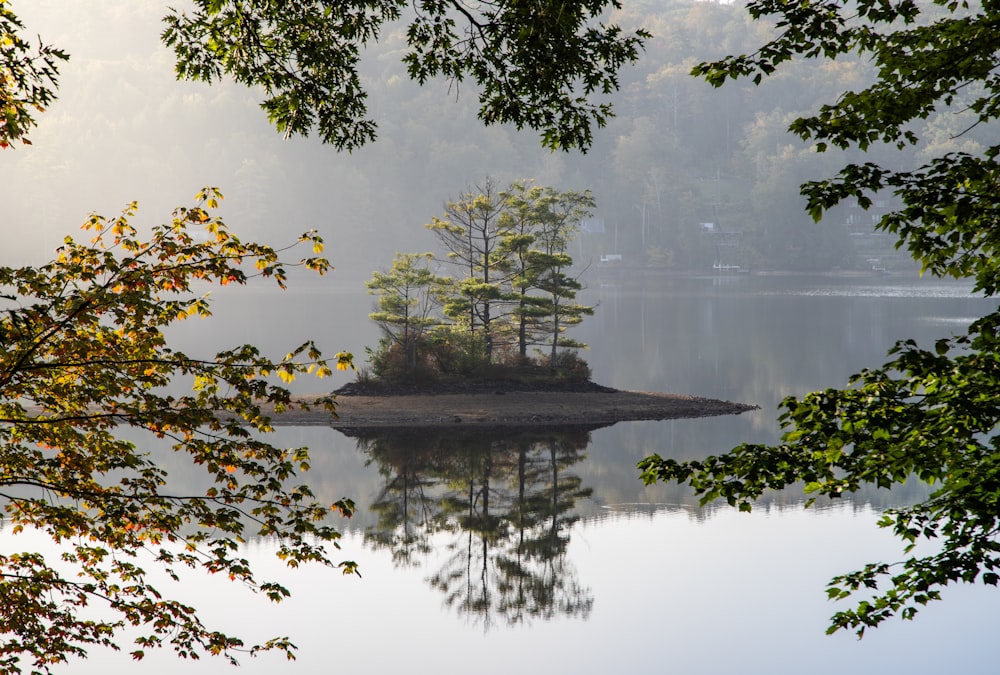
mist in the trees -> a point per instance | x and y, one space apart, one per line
678 155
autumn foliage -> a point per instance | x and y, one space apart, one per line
86 379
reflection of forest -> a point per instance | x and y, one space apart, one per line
503 504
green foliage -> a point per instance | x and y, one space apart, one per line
929 414
84 366
471 233
541 222
408 297
511 246
927 59
28 79
451 355
394 363
678 153
537 64
303 54
458 352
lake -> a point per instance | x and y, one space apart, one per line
545 553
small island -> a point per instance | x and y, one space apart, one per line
487 348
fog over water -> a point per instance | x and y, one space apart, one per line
637 578
626 577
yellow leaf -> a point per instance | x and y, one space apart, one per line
345 360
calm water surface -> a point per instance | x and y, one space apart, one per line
544 553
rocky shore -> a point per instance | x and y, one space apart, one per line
487 406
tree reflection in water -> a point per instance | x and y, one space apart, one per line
503 501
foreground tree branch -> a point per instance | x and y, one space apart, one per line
537 64
926 414
84 359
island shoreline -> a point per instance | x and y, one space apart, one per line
504 409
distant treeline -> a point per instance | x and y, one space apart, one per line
686 177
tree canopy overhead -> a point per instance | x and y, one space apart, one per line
929 413
537 64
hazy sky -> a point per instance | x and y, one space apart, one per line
123 129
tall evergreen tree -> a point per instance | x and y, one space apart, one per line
560 217
409 296
471 232
520 235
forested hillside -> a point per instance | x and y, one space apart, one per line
685 177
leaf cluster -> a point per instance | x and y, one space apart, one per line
85 371
925 414
303 54
537 63
928 58
29 76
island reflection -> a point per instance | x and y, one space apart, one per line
503 504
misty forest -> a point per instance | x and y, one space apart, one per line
787 207
683 177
